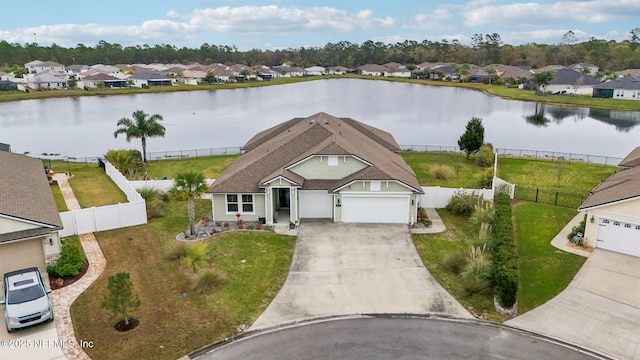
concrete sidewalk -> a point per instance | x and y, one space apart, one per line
561 240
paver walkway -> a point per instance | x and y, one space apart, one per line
64 297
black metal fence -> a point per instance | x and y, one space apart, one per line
524 153
548 197
194 153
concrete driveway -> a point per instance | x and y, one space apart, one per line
343 269
600 309
37 342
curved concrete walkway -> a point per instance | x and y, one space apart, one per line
64 297
340 269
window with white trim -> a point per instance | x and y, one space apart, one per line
240 203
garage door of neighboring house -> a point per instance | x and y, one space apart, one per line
20 255
375 209
619 236
315 204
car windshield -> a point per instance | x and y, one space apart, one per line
19 296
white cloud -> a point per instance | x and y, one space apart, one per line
436 19
536 14
274 19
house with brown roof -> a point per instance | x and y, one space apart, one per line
613 210
321 166
29 218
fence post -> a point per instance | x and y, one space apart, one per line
556 201
537 190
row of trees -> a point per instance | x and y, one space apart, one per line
485 49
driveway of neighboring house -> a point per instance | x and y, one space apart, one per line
599 310
343 269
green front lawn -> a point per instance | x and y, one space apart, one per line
59 199
544 270
172 325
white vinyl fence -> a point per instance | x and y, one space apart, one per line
107 217
438 197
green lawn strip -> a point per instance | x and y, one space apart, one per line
433 248
575 178
92 187
211 166
172 325
544 270
465 172
59 199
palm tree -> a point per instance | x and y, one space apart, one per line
189 186
142 126
542 79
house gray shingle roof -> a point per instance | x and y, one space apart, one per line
572 77
26 195
623 185
631 160
628 82
273 150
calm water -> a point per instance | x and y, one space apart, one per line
414 114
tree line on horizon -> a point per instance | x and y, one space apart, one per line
485 49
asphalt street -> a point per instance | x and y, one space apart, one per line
396 338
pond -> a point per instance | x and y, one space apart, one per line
415 114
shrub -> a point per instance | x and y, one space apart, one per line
486 179
482 213
462 203
149 194
578 228
70 262
454 263
485 156
128 162
208 279
504 254
196 256
471 286
176 251
442 172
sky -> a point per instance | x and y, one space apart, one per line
282 24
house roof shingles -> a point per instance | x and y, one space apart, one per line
273 150
26 195
623 185
631 160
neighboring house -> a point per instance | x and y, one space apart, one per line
613 210
514 72
37 66
6 85
626 88
628 72
109 81
572 82
29 218
318 167
150 79
584 68
77 69
193 77
371 70
286 70
46 81
315 71
395 69
338 70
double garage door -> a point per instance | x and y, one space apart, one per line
375 209
355 208
618 236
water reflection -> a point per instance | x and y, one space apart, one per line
544 114
624 121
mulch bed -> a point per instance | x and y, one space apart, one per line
67 280
122 325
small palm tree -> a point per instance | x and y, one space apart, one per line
189 186
142 126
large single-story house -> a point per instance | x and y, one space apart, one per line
572 82
321 166
29 218
626 88
613 210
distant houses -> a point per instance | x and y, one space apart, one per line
575 79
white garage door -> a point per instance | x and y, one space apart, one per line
20 255
619 236
315 204
375 209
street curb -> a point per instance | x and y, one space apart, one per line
430 316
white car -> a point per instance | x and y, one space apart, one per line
25 299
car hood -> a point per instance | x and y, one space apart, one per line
27 308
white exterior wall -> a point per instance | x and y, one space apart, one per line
628 211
